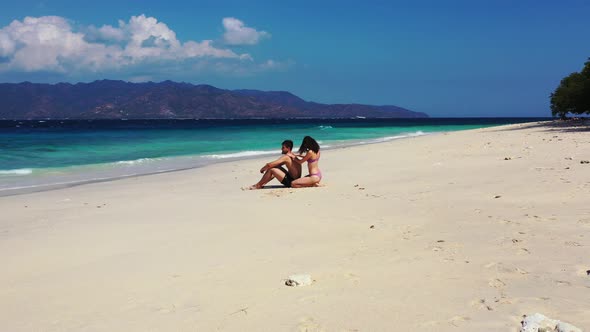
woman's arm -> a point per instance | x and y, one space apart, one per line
296 158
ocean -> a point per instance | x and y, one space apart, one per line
41 155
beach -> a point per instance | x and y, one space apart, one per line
459 231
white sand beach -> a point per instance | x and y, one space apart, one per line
463 231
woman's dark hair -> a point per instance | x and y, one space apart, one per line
309 144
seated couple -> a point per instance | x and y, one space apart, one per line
309 152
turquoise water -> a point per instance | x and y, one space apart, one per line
34 153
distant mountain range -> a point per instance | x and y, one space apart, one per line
109 99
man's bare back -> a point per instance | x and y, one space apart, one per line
293 167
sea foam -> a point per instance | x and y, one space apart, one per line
136 161
242 154
17 172
389 138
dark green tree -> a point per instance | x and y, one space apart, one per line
573 94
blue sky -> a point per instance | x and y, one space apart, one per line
445 58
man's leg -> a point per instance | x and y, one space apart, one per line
282 176
268 175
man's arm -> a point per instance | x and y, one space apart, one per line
273 164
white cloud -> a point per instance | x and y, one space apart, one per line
236 33
50 43
194 49
106 33
7 45
276 65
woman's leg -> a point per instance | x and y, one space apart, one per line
308 181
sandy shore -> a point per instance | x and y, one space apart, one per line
431 233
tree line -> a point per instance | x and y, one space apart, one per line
572 96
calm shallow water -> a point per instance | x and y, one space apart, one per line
43 154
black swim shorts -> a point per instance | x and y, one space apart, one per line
287 179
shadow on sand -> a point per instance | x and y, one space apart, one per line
563 126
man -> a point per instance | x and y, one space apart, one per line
274 169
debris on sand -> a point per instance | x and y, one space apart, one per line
541 323
297 280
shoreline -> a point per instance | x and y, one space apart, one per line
206 161
189 161
465 230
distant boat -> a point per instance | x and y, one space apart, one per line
360 117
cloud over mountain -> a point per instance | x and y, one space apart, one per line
54 44
237 33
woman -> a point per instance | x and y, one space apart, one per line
311 148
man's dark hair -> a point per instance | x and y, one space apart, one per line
288 143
